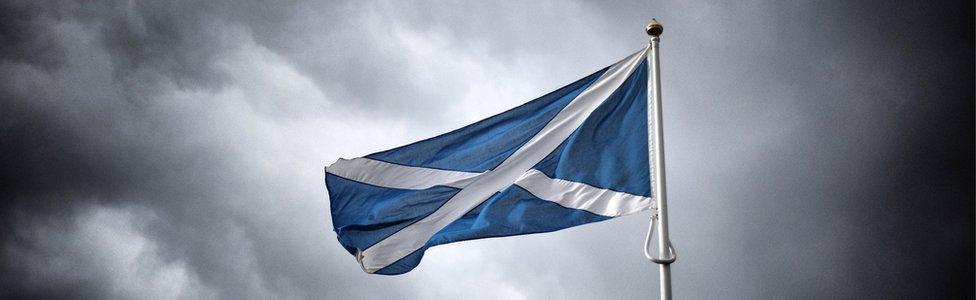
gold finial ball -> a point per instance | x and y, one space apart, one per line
654 28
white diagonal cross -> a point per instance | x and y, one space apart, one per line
516 169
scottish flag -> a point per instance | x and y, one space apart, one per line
574 156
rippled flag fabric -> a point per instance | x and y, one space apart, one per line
574 156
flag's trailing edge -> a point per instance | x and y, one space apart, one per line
574 156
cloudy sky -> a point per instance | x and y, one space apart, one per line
175 150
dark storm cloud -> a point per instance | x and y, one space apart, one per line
26 36
158 150
900 114
178 41
95 131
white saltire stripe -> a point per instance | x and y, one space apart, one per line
381 173
413 237
567 193
583 196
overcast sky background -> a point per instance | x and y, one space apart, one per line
175 150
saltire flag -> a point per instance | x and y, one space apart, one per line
574 156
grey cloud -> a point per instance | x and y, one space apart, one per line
26 35
815 149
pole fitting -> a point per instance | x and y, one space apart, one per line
672 255
654 28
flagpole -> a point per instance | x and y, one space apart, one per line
665 251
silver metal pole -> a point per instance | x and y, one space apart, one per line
654 29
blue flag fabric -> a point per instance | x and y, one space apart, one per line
574 156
